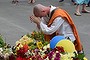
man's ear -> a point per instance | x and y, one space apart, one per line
43 11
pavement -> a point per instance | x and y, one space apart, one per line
14 20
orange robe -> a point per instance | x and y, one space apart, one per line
62 13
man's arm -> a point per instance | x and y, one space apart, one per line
53 28
36 20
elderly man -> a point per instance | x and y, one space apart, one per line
55 21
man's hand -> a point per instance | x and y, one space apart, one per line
35 19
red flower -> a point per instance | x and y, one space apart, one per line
60 49
22 51
25 47
12 57
21 58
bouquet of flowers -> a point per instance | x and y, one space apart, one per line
27 44
5 50
34 47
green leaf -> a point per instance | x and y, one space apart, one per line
81 56
1 41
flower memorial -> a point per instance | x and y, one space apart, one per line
5 49
34 47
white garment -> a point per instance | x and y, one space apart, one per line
59 25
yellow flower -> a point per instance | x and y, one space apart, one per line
25 40
85 58
29 40
65 57
39 45
19 46
25 37
17 42
71 55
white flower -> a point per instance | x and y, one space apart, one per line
17 42
46 58
64 57
45 47
1 49
85 58
71 55
48 46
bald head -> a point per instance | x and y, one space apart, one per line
39 9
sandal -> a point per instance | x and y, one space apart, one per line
77 14
85 11
61 0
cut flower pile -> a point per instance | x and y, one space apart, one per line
34 47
